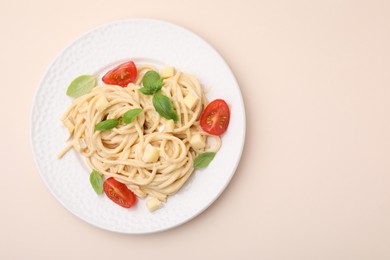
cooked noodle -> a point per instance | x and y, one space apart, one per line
119 152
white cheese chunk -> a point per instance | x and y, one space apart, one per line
151 154
153 204
191 100
102 104
197 142
167 72
69 125
169 125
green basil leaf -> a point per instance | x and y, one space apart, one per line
106 125
152 83
81 85
152 80
130 115
96 181
147 91
164 107
203 160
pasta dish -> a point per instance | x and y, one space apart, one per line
145 134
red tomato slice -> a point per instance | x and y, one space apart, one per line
215 118
119 193
121 75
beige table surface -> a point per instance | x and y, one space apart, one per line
314 179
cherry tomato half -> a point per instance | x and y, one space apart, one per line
119 193
215 118
121 75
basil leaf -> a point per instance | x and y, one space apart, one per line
81 85
152 80
152 83
106 125
164 107
146 91
203 160
96 181
130 115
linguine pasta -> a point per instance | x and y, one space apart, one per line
120 152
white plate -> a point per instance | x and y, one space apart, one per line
144 41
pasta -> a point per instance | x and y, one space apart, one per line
123 151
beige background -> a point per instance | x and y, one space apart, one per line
314 179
